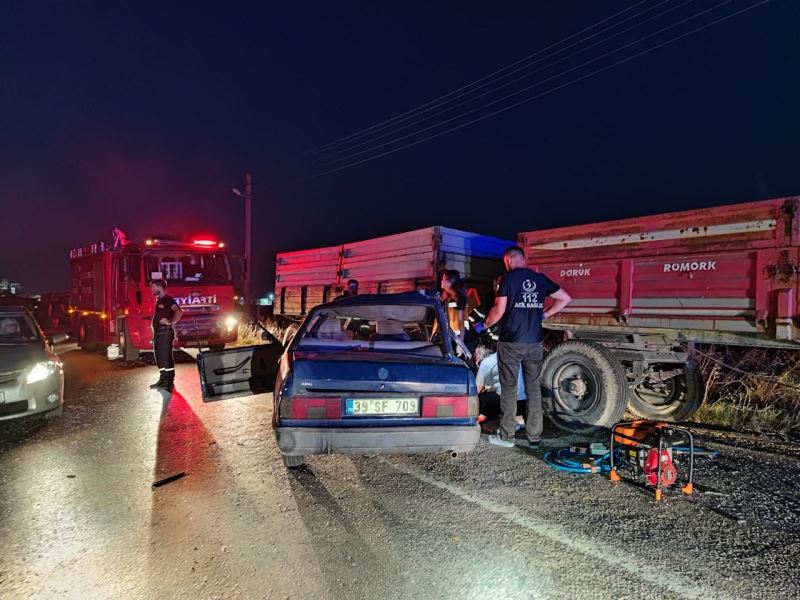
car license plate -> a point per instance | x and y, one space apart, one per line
356 407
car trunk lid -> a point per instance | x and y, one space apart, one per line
354 373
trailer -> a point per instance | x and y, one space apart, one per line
647 289
111 303
408 261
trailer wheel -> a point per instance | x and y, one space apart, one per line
584 387
126 350
673 400
85 333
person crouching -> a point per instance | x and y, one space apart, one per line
166 314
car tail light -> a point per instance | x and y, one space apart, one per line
312 407
449 406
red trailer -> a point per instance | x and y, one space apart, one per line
646 289
111 302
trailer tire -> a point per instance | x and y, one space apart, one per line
82 334
293 462
584 387
126 351
681 399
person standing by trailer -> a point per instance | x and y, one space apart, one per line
350 290
166 314
519 308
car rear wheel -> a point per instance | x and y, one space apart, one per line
584 387
293 462
673 399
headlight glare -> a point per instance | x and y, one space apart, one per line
230 322
40 372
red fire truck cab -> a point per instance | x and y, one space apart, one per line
111 302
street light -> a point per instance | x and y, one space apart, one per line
248 201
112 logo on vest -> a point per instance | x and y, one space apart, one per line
689 266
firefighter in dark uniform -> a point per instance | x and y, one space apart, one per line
166 314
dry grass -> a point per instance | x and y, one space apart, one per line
250 334
764 397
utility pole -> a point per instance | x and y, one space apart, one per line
248 206
248 231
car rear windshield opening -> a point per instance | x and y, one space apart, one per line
373 328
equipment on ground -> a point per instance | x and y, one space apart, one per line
646 449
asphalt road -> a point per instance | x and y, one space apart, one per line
79 518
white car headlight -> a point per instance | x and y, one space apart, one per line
41 371
230 322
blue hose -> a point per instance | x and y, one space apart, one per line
563 459
573 462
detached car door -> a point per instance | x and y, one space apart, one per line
241 371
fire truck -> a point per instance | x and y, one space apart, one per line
111 304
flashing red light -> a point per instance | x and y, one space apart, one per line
204 243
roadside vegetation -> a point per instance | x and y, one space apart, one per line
762 393
250 333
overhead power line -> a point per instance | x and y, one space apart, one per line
349 148
530 87
436 101
550 91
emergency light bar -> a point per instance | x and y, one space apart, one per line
208 243
204 243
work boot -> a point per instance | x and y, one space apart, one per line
159 383
169 381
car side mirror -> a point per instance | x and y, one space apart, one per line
58 338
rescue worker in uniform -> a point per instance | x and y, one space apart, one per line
166 314
478 333
519 308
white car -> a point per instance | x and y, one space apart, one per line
31 375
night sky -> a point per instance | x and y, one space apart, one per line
143 115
